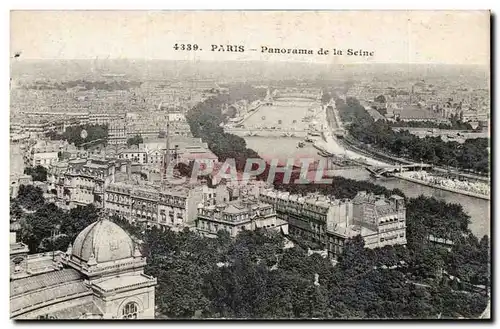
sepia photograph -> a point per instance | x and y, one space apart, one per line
256 165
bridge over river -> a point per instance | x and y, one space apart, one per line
386 170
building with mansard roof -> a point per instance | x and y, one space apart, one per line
329 222
100 276
247 213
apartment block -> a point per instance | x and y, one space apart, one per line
238 215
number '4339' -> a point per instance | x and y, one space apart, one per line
186 46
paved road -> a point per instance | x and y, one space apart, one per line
332 146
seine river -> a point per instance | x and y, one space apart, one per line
282 147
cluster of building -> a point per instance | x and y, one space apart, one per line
162 205
43 153
116 185
121 126
237 215
151 153
101 276
446 135
38 109
82 181
108 96
37 124
425 101
154 123
329 222
324 221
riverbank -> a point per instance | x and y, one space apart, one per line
444 188
379 155
331 145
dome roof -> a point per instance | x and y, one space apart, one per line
105 240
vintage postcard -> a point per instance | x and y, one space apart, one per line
250 165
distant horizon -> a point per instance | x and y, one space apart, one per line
241 60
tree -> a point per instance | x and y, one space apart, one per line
30 197
41 224
73 134
132 229
318 303
325 97
54 243
39 173
15 210
136 140
79 218
380 99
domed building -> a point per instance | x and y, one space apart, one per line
100 276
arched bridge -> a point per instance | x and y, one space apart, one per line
383 171
297 96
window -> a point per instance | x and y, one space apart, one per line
46 317
130 311
17 264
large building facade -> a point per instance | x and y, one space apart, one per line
44 153
82 181
238 215
329 222
163 206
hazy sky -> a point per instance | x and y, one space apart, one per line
448 37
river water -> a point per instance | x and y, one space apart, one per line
477 209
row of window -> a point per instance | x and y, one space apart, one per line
171 214
392 237
142 204
164 216
83 179
319 212
177 202
335 249
170 199
294 204
212 227
117 198
45 162
84 191
396 228
390 220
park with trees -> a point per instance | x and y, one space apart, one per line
73 134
